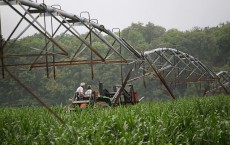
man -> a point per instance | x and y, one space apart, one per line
79 94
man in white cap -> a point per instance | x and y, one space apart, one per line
80 92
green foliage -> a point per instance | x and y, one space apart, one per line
185 121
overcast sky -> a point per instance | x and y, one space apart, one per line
179 14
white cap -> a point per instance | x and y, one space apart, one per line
82 84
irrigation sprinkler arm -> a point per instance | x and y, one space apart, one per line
82 20
63 13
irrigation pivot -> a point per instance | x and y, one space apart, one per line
168 65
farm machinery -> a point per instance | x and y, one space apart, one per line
106 98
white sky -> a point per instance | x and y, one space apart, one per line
179 14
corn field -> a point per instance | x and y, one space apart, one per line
185 121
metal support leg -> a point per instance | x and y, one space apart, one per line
161 78
34 95
117 96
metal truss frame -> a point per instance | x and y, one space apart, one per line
61 56
178 67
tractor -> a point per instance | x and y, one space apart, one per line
105 98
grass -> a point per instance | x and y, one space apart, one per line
184 121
